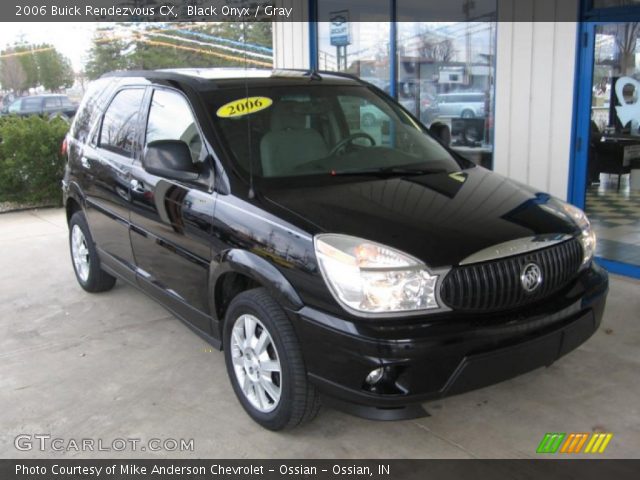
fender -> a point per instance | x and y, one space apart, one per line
71 189
258 269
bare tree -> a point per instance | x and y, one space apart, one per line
442 51
626 36
12 75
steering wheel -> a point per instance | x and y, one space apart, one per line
345 141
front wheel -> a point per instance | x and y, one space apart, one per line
86 263
265 364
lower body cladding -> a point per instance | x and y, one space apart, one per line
385 373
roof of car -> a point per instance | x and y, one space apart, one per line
43 95
208 76
460 93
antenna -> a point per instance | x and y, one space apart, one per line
252 193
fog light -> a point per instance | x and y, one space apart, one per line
374 376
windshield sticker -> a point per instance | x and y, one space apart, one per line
243 106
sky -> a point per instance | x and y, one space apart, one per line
72 39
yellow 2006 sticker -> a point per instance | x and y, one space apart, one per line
243 106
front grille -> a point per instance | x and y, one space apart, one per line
496 285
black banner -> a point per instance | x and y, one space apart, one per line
284 10
319 469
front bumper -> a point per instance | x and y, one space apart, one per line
447 355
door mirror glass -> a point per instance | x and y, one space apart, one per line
169 159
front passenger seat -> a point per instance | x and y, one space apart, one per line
289 143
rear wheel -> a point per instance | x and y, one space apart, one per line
264 363
84 257
468 114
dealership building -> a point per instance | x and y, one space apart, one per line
545 93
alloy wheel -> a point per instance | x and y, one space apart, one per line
80 253
256 363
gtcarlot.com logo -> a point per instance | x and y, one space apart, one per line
574 442
45 443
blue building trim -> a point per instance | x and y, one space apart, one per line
619 268
393 49
313 34
581 115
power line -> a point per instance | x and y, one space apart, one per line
206 52
26 52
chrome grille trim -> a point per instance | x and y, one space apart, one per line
515 247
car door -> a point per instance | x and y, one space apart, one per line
105 166
446 106
171 219
51 105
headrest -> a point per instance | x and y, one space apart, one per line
287 115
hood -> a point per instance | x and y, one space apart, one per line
440 218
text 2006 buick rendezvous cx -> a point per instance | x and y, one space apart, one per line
364 261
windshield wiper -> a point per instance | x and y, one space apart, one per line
389 171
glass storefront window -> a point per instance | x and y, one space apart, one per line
613 175
361 48
446 74
445 70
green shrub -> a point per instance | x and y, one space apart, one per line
31 165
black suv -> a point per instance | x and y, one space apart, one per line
50 105
364 262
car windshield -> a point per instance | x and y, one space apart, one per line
330 130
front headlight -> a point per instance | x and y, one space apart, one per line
371 278
588 236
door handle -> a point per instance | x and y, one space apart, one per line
136 186
85 162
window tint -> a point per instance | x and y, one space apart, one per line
170 118
118 132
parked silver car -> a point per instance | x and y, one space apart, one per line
461 104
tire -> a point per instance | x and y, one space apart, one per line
468 114
86 264
60 115
297 400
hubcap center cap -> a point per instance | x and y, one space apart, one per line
251 364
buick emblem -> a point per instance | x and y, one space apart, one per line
531 277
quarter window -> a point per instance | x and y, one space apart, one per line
170 118
120 122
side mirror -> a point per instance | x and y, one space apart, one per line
441 132
169 159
